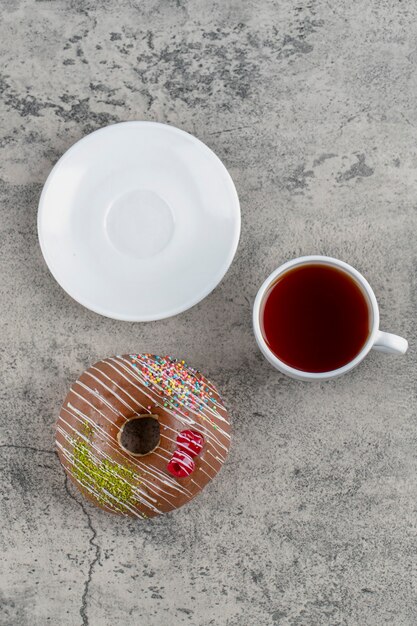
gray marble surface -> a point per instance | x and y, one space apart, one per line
312 107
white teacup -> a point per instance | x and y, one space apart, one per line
384 342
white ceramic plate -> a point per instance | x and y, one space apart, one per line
139 221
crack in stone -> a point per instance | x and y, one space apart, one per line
92 542
349 120
22 447
95 559
230 130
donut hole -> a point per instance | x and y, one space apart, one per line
140 435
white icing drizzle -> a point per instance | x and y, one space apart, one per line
98 396
68 457
184 414
139 495
206 408
152 471
179 416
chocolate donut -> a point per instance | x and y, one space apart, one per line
141 434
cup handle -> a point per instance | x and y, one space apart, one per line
389 343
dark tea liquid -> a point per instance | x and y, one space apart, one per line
315 318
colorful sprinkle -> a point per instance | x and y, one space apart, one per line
181 385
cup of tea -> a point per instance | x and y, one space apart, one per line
316 318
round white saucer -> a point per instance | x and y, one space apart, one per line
139 221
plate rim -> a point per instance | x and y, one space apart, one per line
176 310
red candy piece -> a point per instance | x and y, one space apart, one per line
190 441
181 464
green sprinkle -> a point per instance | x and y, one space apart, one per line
110 482
87 429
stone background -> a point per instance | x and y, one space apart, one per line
311 104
